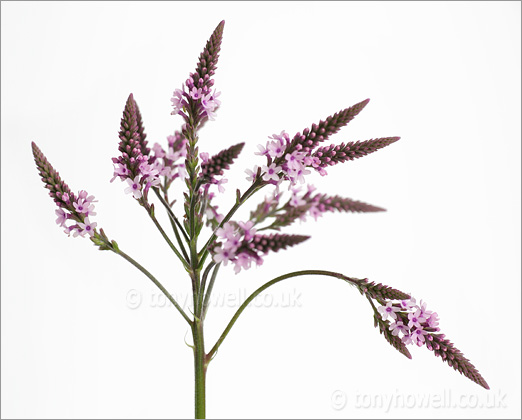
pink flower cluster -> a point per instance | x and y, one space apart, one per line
165 161
83 208
201 97
162 163
292 166
235 244
414 322
316 209
148 175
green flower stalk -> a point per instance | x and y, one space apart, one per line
206 240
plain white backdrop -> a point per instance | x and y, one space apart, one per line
443 76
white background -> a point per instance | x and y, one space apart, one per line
443 76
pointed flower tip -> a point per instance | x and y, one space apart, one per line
362 104
36 149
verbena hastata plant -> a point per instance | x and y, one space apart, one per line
285 162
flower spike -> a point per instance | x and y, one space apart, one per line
322 131
141 131
217 164
76 208
208 59
334 154
58 189
131 144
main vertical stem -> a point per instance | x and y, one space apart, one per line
200 368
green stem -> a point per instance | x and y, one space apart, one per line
212 352
209 291
150 211
201 291
200 368
154 280
173 218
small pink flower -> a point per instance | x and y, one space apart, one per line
86 197
177 101
87 227
220 183
315 212
148 170
210 104
296 201
62 217
407 339
80 206
134 187
271 172
424 311
418 336
397 327
152 181
248 229
275 149
223 255
433 320
90 210
158 150
388 311
251 174
261 150
204 157
282 137
232 243
120 171
76 231
298 175
416 319
226 232
243 261
196 93
295 160
182 171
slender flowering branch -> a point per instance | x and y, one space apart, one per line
244 305
77 209
73 209
306 204
419 326
334 154
103 242
176 226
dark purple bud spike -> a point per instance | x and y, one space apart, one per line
334 154
322 131
217 164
